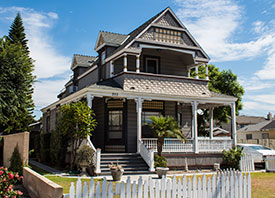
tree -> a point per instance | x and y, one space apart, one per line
77 123
224 82
16 32
16 79
164 127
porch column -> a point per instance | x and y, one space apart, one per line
188 73
211 122
137 64
90 98
195 127
233 122
139 101
111 69
197 72
125 63
206 72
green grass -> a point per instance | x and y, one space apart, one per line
263 185
66 182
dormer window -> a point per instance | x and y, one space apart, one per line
169 36
103 56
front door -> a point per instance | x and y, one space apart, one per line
115 127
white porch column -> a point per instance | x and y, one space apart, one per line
90 98
211 122
137 64
188 73
206 72
139 101
125 63
197 72
233 122
111 69
195 127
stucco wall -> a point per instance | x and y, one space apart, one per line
10 142
39 186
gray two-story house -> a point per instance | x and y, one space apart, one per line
141 74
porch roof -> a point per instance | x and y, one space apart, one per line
159 85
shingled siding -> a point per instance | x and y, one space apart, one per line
118 65
132 127
98 134
89 79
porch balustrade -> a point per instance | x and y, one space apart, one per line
205 145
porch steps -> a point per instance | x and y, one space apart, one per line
132 163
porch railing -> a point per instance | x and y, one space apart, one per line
175 145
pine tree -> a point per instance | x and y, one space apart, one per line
16 80
16 32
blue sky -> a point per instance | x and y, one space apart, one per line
237 35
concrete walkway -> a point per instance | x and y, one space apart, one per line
44 167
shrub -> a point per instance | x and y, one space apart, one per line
37 146
7 181
232 157
58 147
159 161
16 164
45 139
85 154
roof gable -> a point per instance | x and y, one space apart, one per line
82 61
168 20
109 38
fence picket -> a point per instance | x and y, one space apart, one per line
140 187
72 194
85 190
97 190
104 188
110 190
145 190
128 187
78 188
194 186
134 190
224 184
91 188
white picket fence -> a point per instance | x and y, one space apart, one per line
247 163
270 163
231 184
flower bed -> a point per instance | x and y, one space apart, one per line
7 181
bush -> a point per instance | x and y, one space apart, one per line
45 140
160 161
85 154
16 164
232 157
37 146
58 147
7 181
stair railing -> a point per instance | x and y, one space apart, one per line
96 156
147 155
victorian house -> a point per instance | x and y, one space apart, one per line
142 74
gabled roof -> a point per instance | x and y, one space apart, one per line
242 119
257 127
109 38
82 61
269 126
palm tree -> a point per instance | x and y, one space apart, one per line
164 126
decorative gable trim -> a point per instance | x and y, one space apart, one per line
99 42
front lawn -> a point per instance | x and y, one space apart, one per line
263 185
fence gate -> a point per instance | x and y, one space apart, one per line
247 163
224 184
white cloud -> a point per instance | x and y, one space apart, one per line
214 23
50 64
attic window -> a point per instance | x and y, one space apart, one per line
169 36
103 56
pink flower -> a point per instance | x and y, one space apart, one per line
19 192
4 180
16 175
21 177
1 167
1 173
10 176
6 197
5 169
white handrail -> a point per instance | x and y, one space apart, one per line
147 155
96 157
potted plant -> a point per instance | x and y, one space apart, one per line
116 171
163 127
85 157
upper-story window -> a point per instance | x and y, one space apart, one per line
170 36
152 65
103 56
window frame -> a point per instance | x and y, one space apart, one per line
157 59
